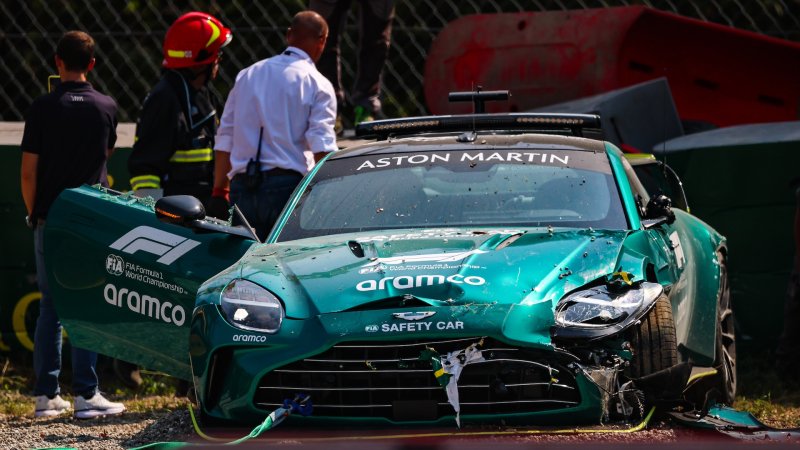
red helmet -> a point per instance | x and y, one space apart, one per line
193 40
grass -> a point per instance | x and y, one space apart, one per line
158 391
770 395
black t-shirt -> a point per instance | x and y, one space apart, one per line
71 130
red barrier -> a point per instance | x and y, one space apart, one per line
717 74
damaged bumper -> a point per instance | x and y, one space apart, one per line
372 366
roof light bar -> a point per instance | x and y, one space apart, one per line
575 124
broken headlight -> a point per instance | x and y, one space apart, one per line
599 306
249 306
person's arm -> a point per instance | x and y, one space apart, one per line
222 165
112 135
320 136
30 164
153 147
219 203
223 140
223 143
31 146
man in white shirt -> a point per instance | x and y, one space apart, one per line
280 112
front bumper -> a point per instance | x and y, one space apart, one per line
365 366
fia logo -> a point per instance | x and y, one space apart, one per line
115 265
158 242
371 328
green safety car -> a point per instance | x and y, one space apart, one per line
486 267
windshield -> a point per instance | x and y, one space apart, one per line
559 188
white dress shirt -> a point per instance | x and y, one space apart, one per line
294 103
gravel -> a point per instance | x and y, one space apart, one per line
126 430
137 429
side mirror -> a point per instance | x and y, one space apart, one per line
179 209
658 211
188 211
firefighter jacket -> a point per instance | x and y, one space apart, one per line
174 140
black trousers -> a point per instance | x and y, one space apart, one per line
375 26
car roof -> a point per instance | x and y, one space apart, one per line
450 141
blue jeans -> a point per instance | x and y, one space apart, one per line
262 205
47 341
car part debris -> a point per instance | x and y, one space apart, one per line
447 370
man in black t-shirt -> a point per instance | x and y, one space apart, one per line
69 134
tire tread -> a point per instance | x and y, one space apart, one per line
654 341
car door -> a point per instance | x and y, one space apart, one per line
123 282
683 257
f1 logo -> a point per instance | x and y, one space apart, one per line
152 240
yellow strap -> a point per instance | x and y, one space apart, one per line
199 431
194 155
145 181
438 373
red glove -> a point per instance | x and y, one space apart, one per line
219 204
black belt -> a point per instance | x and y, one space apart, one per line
278 171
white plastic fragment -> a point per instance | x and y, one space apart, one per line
453 363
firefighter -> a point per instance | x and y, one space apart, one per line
172 153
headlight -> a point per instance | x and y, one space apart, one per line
599 307
248 306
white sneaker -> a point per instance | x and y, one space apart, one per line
50 406
95 407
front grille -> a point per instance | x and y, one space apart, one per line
388 379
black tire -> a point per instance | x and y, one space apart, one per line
725 356
653 341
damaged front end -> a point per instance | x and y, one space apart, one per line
481 379
418 360
488 363
623 336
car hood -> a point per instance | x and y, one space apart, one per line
434 267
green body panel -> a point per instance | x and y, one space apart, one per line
325 273
122 301
495 282
615 158
19 293
744 192
694 302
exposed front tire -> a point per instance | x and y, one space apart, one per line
653 342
